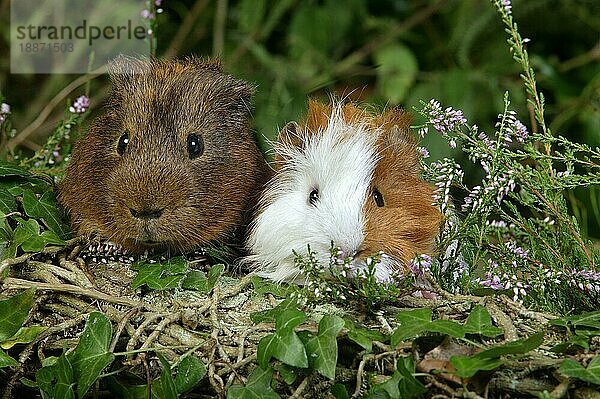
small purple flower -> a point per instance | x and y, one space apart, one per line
424 152
4 110
492 281
507 6
444 121
81 104
520 252
146 14
420 265
157 3
520 130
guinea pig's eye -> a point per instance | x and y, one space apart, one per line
313 196
195 145
378 198
123 141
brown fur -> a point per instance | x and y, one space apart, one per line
408 223
160 103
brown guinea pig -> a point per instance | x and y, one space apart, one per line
349 177
172 164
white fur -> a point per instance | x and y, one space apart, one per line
338 161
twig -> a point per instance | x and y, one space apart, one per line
16 283
298 392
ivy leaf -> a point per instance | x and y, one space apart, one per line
517 347
45 208
7 361
164 387
468 366
591 373
284 345
322 349
27 235
189 373
11 169
480 322
92 354
55 379
489 359
159 276
447 327
362 336
8 203
288 373
257 387
13 312
197 280
589 319
401 385
270 315
24 336
412 323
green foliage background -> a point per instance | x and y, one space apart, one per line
385 52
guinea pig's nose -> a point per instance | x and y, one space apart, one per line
146 214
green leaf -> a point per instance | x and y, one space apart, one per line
288 373
91 355
262 286
589 319
24 336
401 385
45 208
284 345
363 336
322 349
270 315
575 343
11 169
8 203
7 361
198 281
14 312
480 322
27 235
257 387
55 378
412 323
189 373
160 276
468 366
447 327
396 72
164 387
590 374
517 347
339 391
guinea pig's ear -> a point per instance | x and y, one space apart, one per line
241 94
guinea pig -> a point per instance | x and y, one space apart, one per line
172 164
350 177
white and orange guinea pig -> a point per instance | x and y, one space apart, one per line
347 176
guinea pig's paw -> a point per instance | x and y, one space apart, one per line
106 251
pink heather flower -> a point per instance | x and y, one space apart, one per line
424 152
520 131
81 104
507 6
4 110
444 121
146 14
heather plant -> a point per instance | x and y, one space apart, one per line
512 232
